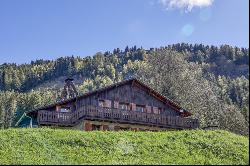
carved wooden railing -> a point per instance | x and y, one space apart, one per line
117 115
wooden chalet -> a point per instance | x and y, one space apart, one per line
128 105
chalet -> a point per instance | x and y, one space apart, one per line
127 105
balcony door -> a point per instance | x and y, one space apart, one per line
124 106
63 109
140 108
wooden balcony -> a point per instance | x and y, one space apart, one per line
114 115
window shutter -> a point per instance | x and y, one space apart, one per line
133 106
107 104
116 104
58 108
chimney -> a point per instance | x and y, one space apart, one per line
69 90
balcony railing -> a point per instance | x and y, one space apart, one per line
114 115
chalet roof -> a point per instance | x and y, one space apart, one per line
156 94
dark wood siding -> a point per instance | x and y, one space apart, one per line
130 94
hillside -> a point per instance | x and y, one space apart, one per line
225 61
48 146
211 82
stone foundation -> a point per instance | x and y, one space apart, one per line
88 125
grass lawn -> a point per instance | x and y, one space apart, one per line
51 146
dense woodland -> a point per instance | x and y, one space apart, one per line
211 82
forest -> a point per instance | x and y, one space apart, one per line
212 82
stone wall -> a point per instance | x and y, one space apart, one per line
88 125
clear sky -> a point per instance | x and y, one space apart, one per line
48 29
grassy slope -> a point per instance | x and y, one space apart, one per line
48 146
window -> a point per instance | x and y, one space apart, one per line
96 127
140 129
104 103
101 103
157 110
123 106
140 108
65 109
124 129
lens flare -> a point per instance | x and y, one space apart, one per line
187 30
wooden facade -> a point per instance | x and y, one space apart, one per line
129 103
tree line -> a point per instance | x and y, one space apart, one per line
212 82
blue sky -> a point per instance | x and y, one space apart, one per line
48 29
